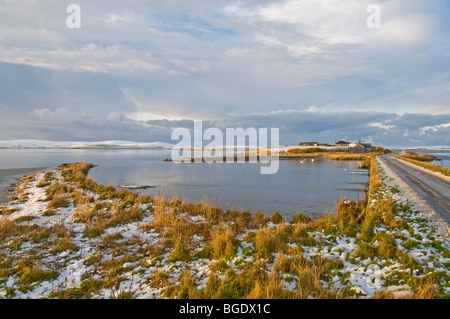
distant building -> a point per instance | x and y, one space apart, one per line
324 144
356 148
342 144
308 144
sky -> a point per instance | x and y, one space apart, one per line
136 70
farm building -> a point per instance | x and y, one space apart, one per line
342 144
308 144
356 148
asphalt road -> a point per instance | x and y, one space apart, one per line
432 189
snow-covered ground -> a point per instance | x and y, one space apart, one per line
409 196
131 263
368 276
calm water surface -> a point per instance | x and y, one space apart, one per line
442 155
310 187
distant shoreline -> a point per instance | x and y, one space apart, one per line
123 144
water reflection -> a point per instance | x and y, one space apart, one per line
312 187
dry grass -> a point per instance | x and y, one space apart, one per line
41 234
75 172
222 242
312 150
80 199
43 183
59 201
435 168
57 189
318 152
11 228
96 229
177 220
420 157
259 220
315 152
29 274
300 218
270 289
121 216
180 252
186 287
383 295
84 214
265 243
169 223
62 245
255 283
309 279
347 157
276 218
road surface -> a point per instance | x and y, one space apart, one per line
432 189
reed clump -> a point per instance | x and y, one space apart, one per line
276 218
223 243
259 220
64 244
420 157
34 274
59 201
300 218
11 228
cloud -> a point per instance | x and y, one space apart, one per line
90 57
424 130
48 113
295 126
381 125
312 68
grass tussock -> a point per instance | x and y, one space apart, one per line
32 274
276 218
42 234
121 216
180 253
43 183
59 201
57 189
300 218
64 244
259 220
346 220
11 228
222 242
265 243
76 171
425 287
